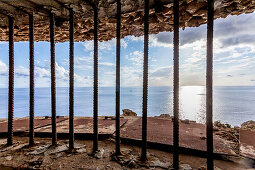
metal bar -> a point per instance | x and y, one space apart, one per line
209 85
11 83
53 81
145 80
118 79
71 79
176 86
95 109
31 53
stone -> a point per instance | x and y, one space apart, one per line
39 150
217 168
81 150
185 167
203 138
248 125
58 155
202 168
131 164
8 158
2 141
56 149
79 146
35 164
164 116
186 121
99 154
128 112
216 129
159 164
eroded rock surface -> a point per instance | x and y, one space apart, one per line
193 13
128 112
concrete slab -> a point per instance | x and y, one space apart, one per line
22 124
85 125
192 135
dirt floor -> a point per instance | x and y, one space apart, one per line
44 156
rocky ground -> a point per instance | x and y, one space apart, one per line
231 135
44 156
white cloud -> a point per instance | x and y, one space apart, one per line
163 39
61 73
42 72
80 81
131 76
134 38
105 45
136 57
161 76
21 71
106 64
161 72
3 68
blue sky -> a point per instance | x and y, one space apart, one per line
234 58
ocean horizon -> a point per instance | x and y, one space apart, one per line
231 104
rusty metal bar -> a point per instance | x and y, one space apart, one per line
118 79
31 53
145 80
176 86
95 104
11 83
53 79
71 90
209 86
71 79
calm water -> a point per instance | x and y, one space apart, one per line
233 105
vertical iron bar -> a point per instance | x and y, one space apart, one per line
176 86
95 141
11 83
31 52
53 81
209 85
145 80
118 79
71 79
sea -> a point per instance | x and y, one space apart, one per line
232 105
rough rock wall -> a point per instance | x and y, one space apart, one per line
193 13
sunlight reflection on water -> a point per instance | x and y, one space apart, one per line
192 103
